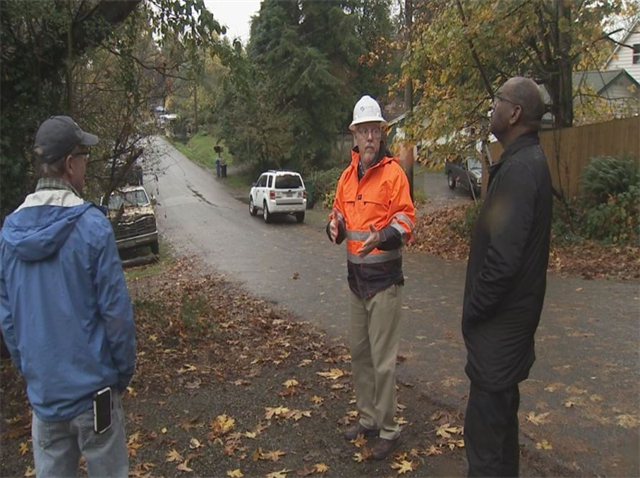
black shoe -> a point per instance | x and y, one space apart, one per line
382 448
353 431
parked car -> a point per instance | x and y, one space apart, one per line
137 225
278 192
466 173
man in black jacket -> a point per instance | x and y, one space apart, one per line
506 281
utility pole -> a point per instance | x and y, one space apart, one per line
195 104
408 95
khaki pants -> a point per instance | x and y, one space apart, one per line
375 338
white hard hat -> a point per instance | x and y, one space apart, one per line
366 110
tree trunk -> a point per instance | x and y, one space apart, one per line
408 97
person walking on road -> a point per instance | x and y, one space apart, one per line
65 312
374 212
506 281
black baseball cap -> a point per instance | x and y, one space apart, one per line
57 137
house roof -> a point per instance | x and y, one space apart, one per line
622 42
600 80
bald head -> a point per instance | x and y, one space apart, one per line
525 92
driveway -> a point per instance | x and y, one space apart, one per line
582 399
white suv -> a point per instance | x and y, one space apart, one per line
278 192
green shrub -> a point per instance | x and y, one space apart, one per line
464 226
617 221
324 185
608 176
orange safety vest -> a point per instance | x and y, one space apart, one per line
381 198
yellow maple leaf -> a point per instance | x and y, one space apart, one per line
184 466
235 473
290 383
221 425
359 441
627 421
272 455
434 450
298 414
29 472
332 374
279 474
320 468
317 400
362 456
403 466
446 430
187 368
174 455
275 412
251 435
537 419
24 448
544 445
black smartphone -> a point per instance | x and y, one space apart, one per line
102 410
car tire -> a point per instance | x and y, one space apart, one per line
300 216
155 248
252 207
451 181
266 214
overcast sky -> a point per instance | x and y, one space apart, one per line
235 14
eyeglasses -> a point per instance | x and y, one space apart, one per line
84 153
365 132
502 98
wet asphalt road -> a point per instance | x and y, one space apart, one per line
586 378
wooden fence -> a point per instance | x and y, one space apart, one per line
568 150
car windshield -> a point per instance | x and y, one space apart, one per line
288 181
129 198
473 163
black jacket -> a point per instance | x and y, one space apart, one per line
506 272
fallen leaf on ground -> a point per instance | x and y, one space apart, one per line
359 441
537 419
332 374
362 456
320 468
627 421
174 455
403 466
29 472
278 474
298 414
290 383
194 444
23 447
317 400
275 412
184 466
446 430
272 455
544 445
235 473
434 450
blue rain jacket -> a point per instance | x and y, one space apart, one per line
65 312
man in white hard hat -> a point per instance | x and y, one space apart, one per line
374 212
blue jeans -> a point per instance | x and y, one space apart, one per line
57 446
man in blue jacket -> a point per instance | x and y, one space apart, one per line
65 311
